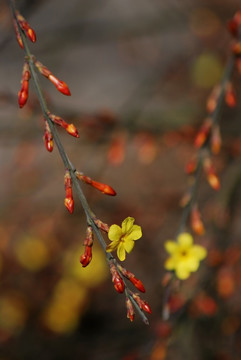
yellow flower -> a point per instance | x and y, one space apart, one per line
123 237
185 256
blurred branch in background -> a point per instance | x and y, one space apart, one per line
139 74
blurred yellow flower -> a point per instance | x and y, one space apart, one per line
32 253
63 311
123 237
91 276
184 256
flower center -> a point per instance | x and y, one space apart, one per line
183 253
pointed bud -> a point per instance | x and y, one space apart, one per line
18 36
143 305
71 129
196 222
211 174
191 167
130 309
69 201
203 133
137 283
104 188
60 85
230 96
48 138
23 93
86 258
116 279
30 33
131 277
216 140
101 225
213 99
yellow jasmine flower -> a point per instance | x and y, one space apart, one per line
123 237
184 256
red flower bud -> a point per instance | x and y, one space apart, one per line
23 93
104 188
216 140
211 174
130 309
69 201
71 129
85 259
191 167
116 279
18 36
230 96
196 222
31 35
203 133
137 283
101 225
48 138
60 85
26 27
213 99
131 277
143 305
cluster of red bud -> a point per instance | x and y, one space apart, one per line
234 27
118 272
208 139
25 27
21 23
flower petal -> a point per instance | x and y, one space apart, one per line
192 263
128 245
127 224
114 233
171 246
170 263
185 240
112 246
199 252
121 252
182 271
134 233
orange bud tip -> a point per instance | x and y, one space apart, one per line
60 85
104 188
85 259
49 145
22 98
71 129
31 35
119 285
69 203
138 284
146 307
214 181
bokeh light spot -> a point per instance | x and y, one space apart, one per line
206 70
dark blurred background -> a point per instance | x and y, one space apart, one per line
139 73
